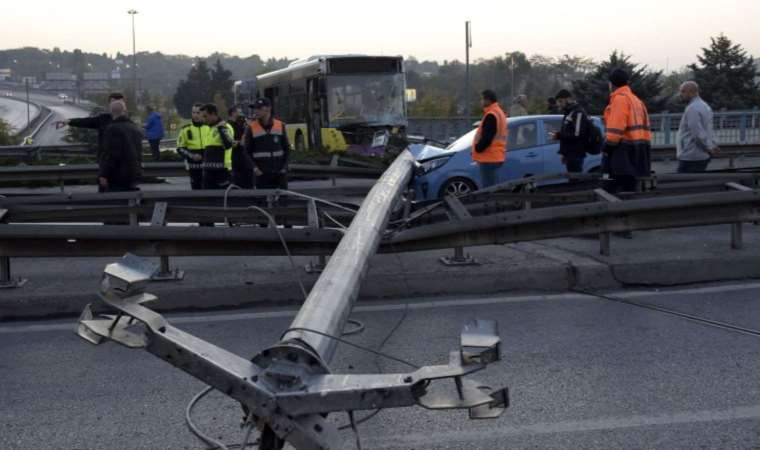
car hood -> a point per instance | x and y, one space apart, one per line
424 152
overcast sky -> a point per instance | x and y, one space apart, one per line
655 32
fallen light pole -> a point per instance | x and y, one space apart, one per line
288 390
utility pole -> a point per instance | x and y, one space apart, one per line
132 13
28 113
467 45
512 83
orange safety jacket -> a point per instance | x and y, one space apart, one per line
626 119
628 146
496 152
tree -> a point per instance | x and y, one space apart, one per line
726 75
6 135
593 92
195 88
221 83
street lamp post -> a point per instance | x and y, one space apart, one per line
467 45
132 13
28 109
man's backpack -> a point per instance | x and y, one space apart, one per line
594 137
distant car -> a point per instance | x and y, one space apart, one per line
63 96
8 94
529 152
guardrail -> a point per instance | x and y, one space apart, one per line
61 173
29 152
730 127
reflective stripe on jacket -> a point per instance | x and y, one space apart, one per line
628 146
216 154
268 148
496 152
626 118
190 140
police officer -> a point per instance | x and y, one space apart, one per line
628 145
267 143
217 149
190 143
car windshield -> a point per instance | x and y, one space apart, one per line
463 142
365 100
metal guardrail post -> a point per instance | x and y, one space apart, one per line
312 217
457 211
164 272
604 238
334 163
6 279
666 129
133 220
737 231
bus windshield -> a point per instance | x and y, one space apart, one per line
366 100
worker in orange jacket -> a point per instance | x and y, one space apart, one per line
489 147
629 138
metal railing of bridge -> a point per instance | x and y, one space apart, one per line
730 127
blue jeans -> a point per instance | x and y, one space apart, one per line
489 173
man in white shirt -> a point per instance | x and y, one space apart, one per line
694 143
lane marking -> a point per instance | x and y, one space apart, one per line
438 437
424 303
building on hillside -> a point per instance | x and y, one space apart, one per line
60 82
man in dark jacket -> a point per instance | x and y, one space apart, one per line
98 122
573 135
121 161
242 165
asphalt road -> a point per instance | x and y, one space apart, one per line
584 373
48 135
13 112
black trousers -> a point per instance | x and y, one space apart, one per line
196 179
693 166
574 164
216 178
243 177
272 181
154 149
620 183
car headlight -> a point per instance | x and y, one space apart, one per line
431 165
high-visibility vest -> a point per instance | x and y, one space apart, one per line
626 119
496 152
190 138
215 154
268 147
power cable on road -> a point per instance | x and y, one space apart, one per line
683 315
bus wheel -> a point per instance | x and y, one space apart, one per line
300 144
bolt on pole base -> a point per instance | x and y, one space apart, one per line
459 259
6 280
12 283
164 273
316 266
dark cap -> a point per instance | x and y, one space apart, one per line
619 77
261 102
563 93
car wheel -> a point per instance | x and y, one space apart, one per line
457 187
